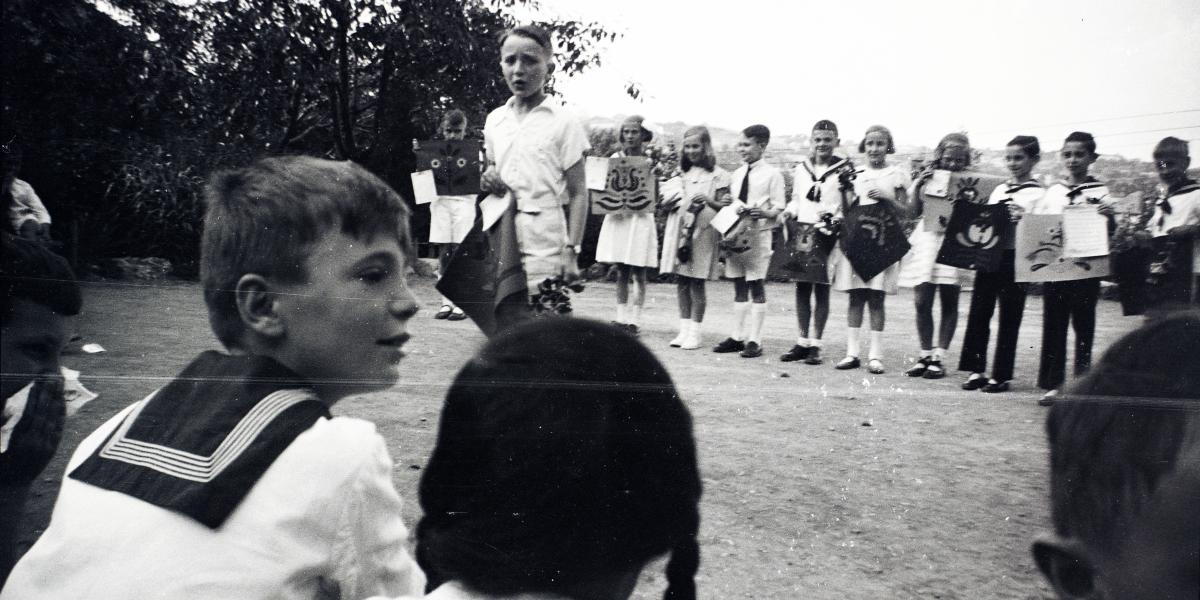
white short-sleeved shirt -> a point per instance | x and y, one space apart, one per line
1059 195
806 177
534 153
324 516
1185 210
26 205
767 188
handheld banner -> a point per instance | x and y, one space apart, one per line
629 188
1040 257
975 236
965 186
455 165
872 238
804 256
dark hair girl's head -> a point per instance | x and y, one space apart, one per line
564 456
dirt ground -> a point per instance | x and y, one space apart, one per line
818 483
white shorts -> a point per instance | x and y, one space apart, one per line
542 237
450 219
751 264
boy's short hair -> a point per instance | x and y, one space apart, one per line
533 32
1028 144
454 118
891 147
825 125
29 271
264 219
1170 146
1119 430
709 158
1084 138
560 425
951 139
758 133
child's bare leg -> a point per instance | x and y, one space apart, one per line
638 275
622 284
699 299
683 293
875 300
803 307
948 295
923 302
854 312
741 292
758 292
820 311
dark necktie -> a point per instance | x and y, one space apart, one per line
744 193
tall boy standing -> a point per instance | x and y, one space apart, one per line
233 480
535 152
761 191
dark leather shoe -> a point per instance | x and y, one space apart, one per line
729 345
797 352
995 387
814 356
918 370
974 383
934 370
753 350
850 362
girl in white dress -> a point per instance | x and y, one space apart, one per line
928 278
695 196
878 182
630 240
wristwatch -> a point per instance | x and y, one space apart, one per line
578 248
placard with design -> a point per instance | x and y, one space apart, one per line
454 163
975 236
629 188
1040 257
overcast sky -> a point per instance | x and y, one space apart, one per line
921 67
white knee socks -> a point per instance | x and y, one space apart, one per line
876 352
852 348
758 314
740 310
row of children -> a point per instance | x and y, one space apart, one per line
564 463
535 170
821 198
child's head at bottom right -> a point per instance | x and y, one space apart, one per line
1125 471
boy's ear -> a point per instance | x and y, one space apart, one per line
1065 564
257 307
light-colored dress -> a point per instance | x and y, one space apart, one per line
920 265
628 238
704 263
887 180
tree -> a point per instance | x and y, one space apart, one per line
188 88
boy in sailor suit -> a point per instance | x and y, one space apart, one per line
233 480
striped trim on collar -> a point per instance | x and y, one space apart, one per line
194 467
